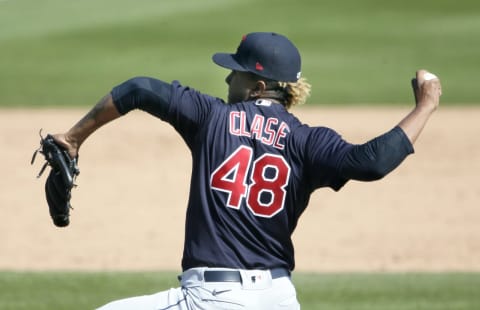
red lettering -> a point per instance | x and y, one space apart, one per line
243 124
281 133
259 129
236 165
269 131
231 176
257 126
233 117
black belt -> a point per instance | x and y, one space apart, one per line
234 276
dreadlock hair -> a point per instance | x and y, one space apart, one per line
288 93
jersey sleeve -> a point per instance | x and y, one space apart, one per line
144 93
325 149
375 159
189 110
183 107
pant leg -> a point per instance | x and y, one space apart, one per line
172 299
256 292
283 295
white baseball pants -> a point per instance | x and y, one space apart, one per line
219 288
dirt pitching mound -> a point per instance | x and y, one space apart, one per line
130 203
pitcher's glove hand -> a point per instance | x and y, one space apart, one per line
60 181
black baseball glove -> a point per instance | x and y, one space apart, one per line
60 181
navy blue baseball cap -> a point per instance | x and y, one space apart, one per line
269 55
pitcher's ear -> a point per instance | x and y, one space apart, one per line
260 87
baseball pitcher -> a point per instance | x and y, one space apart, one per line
255 166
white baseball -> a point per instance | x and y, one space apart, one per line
429 76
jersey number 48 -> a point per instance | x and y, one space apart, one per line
265 194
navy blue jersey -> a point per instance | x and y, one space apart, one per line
254 166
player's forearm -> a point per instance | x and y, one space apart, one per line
103 112
427 90
415 121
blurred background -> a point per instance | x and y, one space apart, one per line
70 53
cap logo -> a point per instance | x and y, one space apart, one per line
259 66
244 37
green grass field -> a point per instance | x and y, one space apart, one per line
357 291
57 52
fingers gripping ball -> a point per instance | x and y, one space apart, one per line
429 76
60 181
421 77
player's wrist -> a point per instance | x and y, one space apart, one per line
69 141
426 107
